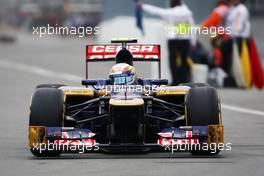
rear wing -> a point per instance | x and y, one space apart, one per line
140 52
95 53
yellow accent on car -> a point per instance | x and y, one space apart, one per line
167 93
132 102
172 90
36 136
123 39
220 111
63 109
215 134
83 92
102 92
186 115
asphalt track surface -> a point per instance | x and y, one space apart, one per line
32 61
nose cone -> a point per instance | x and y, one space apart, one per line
126 102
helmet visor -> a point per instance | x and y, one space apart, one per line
121 79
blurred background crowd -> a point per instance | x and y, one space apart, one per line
24 14
116 18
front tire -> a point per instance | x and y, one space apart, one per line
46 110
49 86
203 109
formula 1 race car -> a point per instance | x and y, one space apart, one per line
124 113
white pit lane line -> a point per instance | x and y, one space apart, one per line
39 71
242 110
74 78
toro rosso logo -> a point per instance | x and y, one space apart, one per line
101 52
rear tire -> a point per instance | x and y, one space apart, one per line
202 109
46 110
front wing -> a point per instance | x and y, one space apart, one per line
66 138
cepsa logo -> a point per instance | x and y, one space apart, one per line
110 51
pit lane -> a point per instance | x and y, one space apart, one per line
32 61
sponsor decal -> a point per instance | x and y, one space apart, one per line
95 52
65 140
170 142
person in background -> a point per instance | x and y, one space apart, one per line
179 18
218 16
238 21
217 19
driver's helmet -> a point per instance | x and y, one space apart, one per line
122 73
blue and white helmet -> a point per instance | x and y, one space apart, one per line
122 73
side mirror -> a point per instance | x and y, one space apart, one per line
88 82
157 82
160 82
92 82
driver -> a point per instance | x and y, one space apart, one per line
122 73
